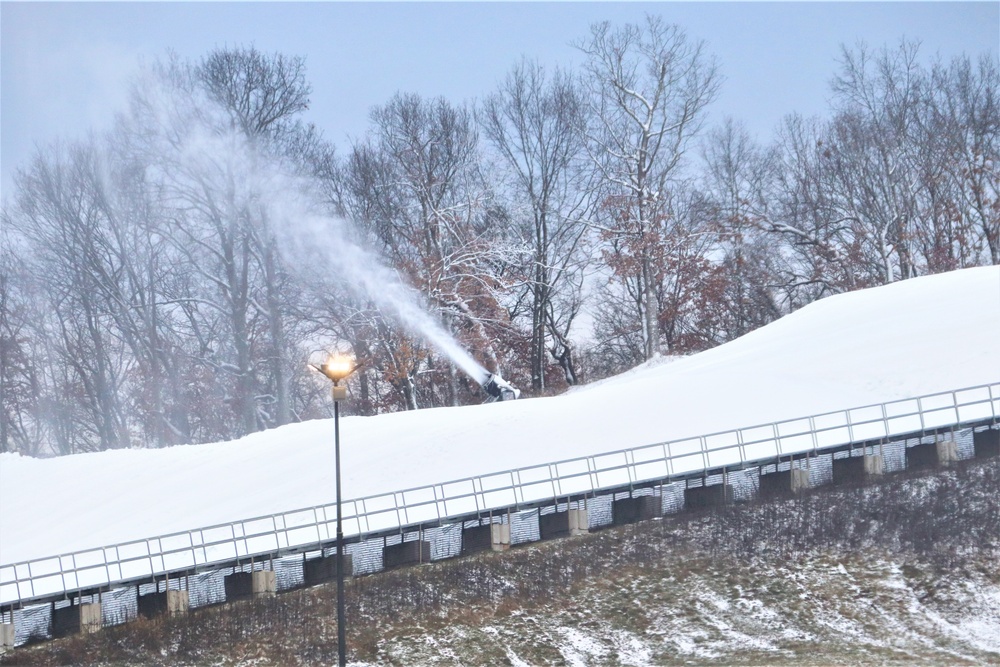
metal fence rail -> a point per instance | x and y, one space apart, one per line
309 528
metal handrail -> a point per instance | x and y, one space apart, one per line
294 530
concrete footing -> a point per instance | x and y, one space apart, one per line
784 483
169 603
406 553
800 480
6 636
703 497
80 618
874 465
947 452
486 537
264 583
320 570
986 443
857 469
630 510
256 584
561 524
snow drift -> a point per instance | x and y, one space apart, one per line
903 340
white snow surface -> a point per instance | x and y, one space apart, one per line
902 340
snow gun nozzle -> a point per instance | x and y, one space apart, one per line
498 389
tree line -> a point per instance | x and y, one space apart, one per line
567 226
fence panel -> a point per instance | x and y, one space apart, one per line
611 470
574 477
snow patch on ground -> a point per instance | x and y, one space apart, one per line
580 649
630 649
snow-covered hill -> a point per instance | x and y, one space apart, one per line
911 338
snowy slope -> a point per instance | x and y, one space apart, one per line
911 338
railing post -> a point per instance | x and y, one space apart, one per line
62 574
194 554
319 538
668 463
812 430
518 490
364 513
31 579
395 500
107 567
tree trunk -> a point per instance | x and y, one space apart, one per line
650 311
538 351
276 328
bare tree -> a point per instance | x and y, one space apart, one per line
60 211
536 125
22 426
962 125
262 93
264 96
649 86
416 186
899 182
871 155
212 133
740 293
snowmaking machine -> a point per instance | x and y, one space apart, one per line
498 389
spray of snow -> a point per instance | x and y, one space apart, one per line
309 239
326 240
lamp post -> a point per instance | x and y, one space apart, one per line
337 368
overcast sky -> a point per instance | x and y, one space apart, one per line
64 66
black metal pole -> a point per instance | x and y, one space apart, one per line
341 627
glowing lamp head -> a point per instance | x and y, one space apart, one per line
337 367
